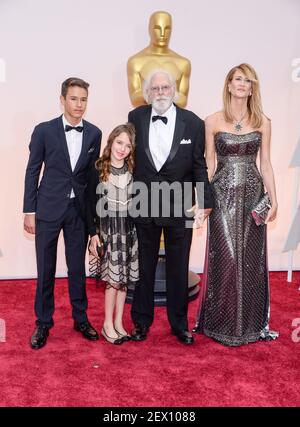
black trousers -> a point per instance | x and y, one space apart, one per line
177 249
75 237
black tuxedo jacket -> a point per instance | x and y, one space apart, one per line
48 146
185 164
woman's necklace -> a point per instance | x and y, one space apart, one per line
238 126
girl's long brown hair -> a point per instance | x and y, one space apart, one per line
104 162
254 101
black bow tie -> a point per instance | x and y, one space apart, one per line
162 118
78 128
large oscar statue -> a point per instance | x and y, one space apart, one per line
158 56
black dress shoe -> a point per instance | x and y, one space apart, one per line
87 330
139 332
39 337
183 336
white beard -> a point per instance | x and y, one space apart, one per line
162 104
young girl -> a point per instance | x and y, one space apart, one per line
108 201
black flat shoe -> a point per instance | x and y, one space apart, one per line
196 329
86 330
139 332
183 336
116 341
125 338
39 337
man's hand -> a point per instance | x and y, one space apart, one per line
200 215
29 223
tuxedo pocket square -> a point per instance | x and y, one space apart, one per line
185 141
91 150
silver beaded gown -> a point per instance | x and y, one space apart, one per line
234 299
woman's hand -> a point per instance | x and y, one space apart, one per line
272 213
200 215
94 242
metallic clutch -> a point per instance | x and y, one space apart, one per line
102 248
260 211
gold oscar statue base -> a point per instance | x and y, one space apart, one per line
160 293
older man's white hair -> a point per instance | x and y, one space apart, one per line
149 78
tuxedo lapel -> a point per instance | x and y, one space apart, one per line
178 134
145 129
63 140
84 147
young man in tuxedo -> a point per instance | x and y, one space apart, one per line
169 149
66 146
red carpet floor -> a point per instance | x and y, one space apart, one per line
160 371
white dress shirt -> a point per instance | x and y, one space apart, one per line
161 136
74 143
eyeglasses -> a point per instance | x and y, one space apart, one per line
157 89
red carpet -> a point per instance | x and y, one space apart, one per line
160 371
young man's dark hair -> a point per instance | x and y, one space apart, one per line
73 81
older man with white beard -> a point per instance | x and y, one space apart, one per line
169 149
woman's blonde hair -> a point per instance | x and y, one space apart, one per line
103 164
254 100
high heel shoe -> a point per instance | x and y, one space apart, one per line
122 336
116 341
196 329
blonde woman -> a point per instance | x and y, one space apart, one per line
234 305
